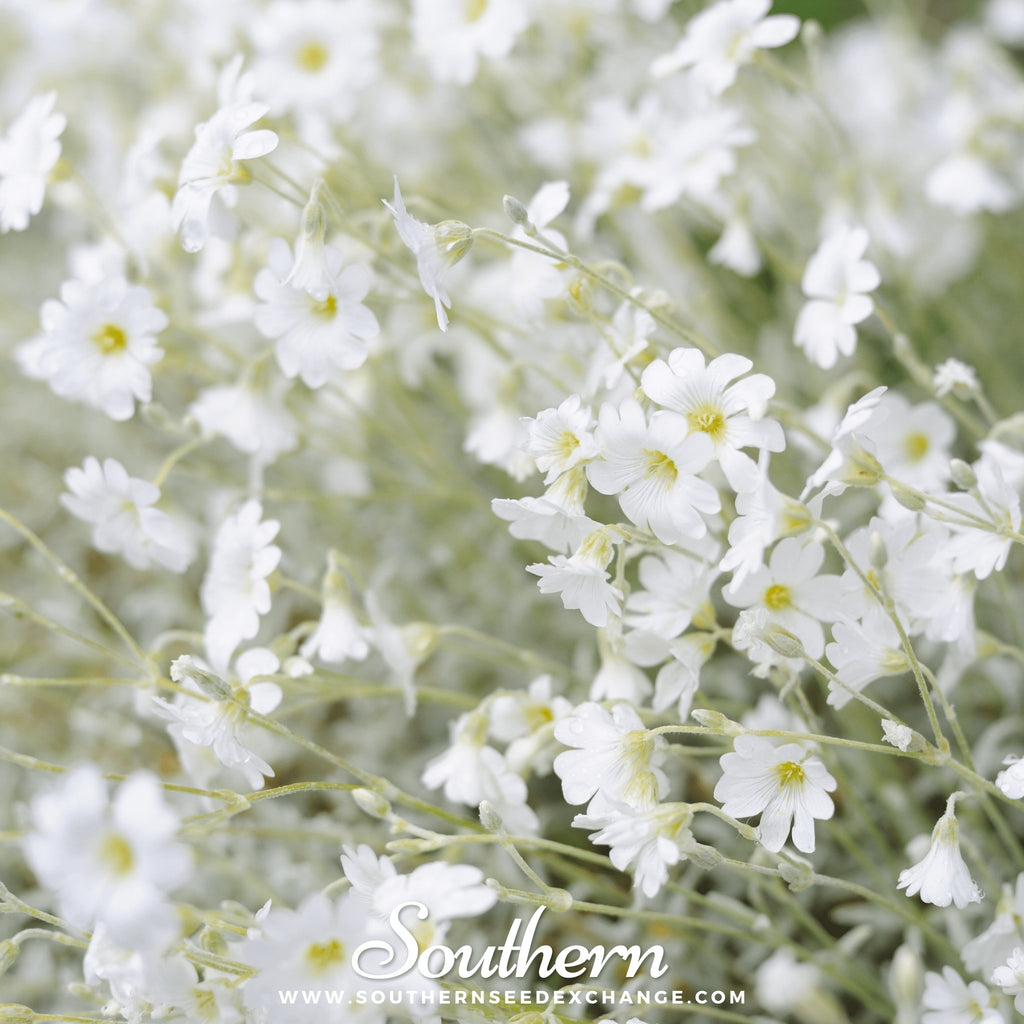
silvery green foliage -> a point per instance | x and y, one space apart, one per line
505 457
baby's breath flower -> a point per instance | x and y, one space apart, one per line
29 149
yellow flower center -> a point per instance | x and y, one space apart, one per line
110 339
326 309
637 748
116 854
473 10
777 597
916 447
708 419
312 56
322 956
566 444
790 774
660 467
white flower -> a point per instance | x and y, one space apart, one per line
437 249
985 952
652 469
447 890
948 999
614 756
338 635
29 149
723 37
728 413
556 518
652 839
862 652
124 522
1010 978
98 343
785 785
213 166
979 549
216 715
852 459
1011 779
561 438
310 948
836 281
454 34
900 736
674 587
913 445
792 593
472 772
253 418
320 328
582 581
235 592
109 863
954 376
525 721
942 876
314 56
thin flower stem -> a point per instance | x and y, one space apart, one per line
50 936
534 660
553 253
18 609
376 783
890 609
175 457
72 579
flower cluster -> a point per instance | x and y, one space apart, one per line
552 456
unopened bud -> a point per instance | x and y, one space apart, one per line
797 874
907 498
185 669
515 211
906 977
16 1013
781 641
8 954
372 803
963 476
717 721
490 819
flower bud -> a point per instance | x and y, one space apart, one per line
372 803
185 669
515 211
963 476
8 954
781 641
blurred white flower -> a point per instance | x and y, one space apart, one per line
29 149
108 862
948 999
836 280
235 592
124 522
452 35
723 37
213 166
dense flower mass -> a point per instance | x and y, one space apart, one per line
489 485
